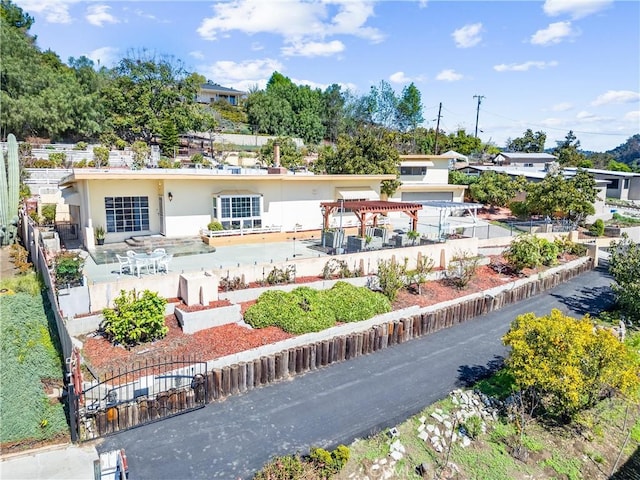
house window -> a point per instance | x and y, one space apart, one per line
238 211
614 183
413 171
626 183
528 164
127 214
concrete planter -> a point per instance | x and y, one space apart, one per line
192 322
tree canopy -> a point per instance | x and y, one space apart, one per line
529 143
567 364
624 266
496 189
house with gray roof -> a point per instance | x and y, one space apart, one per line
211 92
520 159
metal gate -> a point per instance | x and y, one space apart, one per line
149 392
67 230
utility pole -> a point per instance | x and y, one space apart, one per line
479 97
435 149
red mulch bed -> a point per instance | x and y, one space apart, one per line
228 339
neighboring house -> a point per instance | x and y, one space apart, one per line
537 174
620 185
212 92
179 203
426 178
520 159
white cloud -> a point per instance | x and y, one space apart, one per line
585 116
562 107
257 46
54 11
574 8
633 117
98 15
400 77
554 33
616 96
241 75
449 76
294 20
104 57
313 49
468 36
197 54
523 67
422 3
310 83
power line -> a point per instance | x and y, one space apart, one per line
545 127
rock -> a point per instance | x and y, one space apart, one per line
375 467
421 427
423 436
466 441
396 455
396 446
382 461
447 424
430 428
437 432
437 416
422 419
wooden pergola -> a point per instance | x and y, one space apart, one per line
363 208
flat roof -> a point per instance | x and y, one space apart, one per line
450 205
605 172
208 174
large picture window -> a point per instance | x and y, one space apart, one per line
127 214
237 212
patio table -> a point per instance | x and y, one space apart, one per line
148 259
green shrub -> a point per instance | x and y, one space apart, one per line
80 146
280 276
57 158
327 464
353 304
529 251
81 164
20 258
287 467
197 158
307 310
473 426
597 228
68 269
461 269
135 318
101 156
391 277
165 162
214 226
49 213
567 246
549 252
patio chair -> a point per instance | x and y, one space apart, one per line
140 263
124 263
163 263
159 250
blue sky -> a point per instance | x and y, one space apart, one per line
554 65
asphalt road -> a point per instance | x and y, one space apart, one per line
337 404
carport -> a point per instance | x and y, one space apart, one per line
364 208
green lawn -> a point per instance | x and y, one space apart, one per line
28 354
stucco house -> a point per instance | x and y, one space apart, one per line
212 92
180 203
620 185
520 159
426 178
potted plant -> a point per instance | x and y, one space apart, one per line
99 234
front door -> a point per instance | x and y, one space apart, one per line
161 214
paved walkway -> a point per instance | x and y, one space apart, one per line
65 462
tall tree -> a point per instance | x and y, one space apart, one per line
568 152
144 91
333 111
496 189
370 151
409 110
40 95
529 143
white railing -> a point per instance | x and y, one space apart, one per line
241 231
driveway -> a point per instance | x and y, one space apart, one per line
337 404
